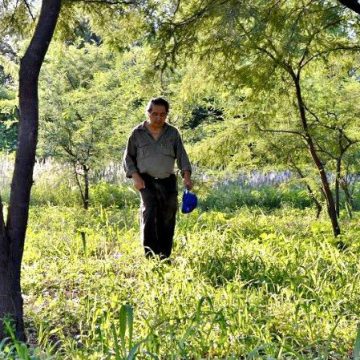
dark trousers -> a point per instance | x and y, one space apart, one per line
158 215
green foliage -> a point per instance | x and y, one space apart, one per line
11 348
356 352
277 79
60 193
201 114
78 125
106 195
263 129
243 283
15 17
230 198
240 284
8 113
8 129
93 97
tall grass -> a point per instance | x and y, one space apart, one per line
246 284
267 197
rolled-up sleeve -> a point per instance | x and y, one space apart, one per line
182 158
129 160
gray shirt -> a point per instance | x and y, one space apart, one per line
156 158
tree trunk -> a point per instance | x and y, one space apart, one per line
86 187
83 188
310 191
348 197
353 5
6 303
4 244
310 143
337 186
14 236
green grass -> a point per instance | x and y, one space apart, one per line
243 284
268 197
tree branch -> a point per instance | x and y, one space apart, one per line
177 7
106 2
322 150
325 52
301 63
293 132
79 183
69 152
14 12
29 10
334 128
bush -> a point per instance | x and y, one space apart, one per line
269 197
107 195
101 194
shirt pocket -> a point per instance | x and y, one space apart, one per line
167 147
143 151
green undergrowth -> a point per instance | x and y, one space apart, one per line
217 197
101 194
228 197
242 285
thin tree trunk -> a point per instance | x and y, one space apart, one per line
82 193
83 188
86 187
348 198
337 186
324 180
310 191
22 181
85 196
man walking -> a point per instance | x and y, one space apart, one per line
149 159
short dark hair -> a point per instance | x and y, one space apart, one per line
157 101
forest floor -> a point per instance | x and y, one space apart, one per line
243 283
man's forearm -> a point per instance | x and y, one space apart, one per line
136 176
187 174
138 180
187 179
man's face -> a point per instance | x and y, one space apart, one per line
157 116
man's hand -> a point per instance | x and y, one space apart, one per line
138 181
187 180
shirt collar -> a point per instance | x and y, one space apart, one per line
143 127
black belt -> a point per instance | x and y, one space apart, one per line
168 181
149 177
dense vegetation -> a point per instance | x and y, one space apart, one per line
265 94
253 274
